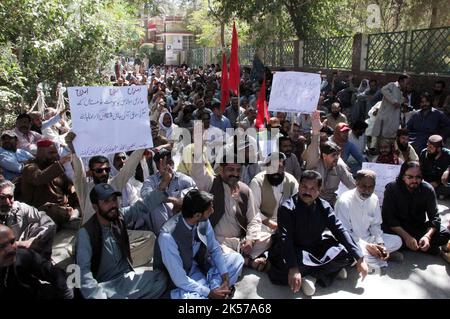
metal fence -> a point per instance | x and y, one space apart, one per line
331 53
416 51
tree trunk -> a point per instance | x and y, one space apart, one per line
434 15
222 34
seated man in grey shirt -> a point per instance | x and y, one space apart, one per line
103 249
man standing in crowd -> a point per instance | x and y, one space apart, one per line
387 120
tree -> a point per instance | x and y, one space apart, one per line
211 29
308 17
61 41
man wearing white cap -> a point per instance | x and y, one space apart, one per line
434 161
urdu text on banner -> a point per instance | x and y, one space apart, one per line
294 92
109 120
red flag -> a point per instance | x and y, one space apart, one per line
224 88
262 108
234 63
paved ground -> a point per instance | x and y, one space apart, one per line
418 276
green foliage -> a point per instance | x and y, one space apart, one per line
64 41
205 24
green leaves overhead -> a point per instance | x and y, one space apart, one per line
65 41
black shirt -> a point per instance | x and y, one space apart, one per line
23 278
402 208
432 168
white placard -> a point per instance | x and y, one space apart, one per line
109 120
296 92
385 174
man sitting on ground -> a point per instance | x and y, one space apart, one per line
32 228
301 253
188 250
103 249
410 211
359 211
23 272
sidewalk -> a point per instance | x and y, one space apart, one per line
419 276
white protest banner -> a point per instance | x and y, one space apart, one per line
295 92
109 120
385 174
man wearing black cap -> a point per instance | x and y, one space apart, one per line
103 250
434 161
12 159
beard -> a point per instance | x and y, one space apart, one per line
44 162
403 147
275 179
232 181
110 215
98 180
5 209
431 155
335 114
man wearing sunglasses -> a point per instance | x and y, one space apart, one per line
99 172
410 211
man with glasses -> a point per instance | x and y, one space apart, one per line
99 172
410 211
